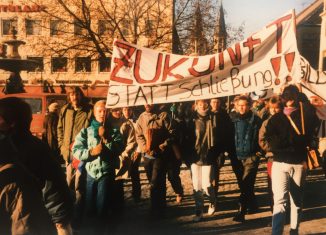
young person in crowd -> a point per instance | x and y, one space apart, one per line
74 116
38 159
155 133
99 148
274 106
50 126
129 135
203 156
246 126
288 134
223 136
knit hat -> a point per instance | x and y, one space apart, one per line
53 107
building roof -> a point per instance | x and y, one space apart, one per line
311 14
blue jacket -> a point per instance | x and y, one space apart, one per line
87 139
246 129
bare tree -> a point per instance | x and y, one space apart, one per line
86 27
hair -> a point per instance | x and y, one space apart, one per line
16 111
76 90
98 103
246 98
290 92
275 100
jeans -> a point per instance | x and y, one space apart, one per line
98 194
156 175
287 179
202 177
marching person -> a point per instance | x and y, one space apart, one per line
203 156
274 106
223 137
288 134
98 148
128 130
246 126
72 118
155 133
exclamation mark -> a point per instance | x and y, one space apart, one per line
289 59
276 62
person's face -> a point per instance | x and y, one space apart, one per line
99 113
127 112
75 98
116 113
201 105
243 107
215 104
289 103
274 108
148 107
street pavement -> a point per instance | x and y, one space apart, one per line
136 218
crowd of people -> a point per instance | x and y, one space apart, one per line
101 148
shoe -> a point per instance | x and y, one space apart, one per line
211 209
178 198
294 232
240 217
198 217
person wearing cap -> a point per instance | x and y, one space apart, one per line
288 134
50 126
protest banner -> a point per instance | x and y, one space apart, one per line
313 82
267 59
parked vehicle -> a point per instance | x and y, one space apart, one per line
39 103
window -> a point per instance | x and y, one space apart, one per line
149 27
38 66
125 27
6 26
105 64
56 27
83 64
59 64
35 104
79 30
33 27
104 27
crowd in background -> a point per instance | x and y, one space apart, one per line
100 148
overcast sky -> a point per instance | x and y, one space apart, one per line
258 13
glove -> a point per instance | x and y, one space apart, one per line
97 150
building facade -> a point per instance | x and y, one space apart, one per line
72 45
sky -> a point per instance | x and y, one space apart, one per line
258 13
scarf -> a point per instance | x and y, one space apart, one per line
288 110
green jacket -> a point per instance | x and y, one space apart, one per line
88 138
69 125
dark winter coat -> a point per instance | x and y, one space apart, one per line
37 157
22 209
50 135
201 139
286 145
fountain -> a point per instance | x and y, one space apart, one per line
12 61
